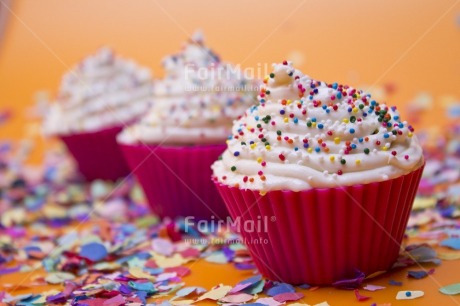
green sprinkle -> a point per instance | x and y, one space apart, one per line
233 168
272 75
343 161
366 150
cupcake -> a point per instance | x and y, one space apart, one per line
96 99
173 146
330 173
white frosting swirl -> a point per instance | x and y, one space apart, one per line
103 90
309 134
197 100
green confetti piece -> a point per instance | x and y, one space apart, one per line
453 289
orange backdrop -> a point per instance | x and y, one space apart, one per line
412 44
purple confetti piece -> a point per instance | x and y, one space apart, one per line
350 284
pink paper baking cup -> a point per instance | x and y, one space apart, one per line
176 180
97 154
320 236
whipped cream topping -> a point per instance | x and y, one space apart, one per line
309 134
197 100
101 91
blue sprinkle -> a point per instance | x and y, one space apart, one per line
408 293
396 117
361 139
324 106
236 153
350 109
305 145
352 131
313 119
328 110
310 97
365 114
353 146
373 102
339 95
296 149
320 126
334 85
282 112
257 118
296 120
317 149
386 135
401 125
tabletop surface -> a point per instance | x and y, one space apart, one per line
404 51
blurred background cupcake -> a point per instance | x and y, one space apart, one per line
96 99
173 146
331 172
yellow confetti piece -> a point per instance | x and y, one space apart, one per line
169 262
54 211
449 255
182 302
216 293
423 203
139 273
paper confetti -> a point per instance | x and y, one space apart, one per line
409 295
453 243
453 289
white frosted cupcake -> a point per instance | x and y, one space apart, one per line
186 129
96 99
336 169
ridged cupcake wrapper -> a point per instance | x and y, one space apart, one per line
177 180
321 236
97 154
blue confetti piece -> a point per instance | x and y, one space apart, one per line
146 286
417 274
93 251
279 289
453 243
251 280
255 288
395 283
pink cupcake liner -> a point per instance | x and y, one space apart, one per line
320 236
176 180
97 154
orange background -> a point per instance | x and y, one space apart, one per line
412 44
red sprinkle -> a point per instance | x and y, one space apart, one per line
281 156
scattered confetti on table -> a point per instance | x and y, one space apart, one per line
100 245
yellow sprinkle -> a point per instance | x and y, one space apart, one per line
313 124
268 147
384 148
332 158
336 140
259 160
288 102
227 141
409 134
249 128
355 110
286 119
358 161
253 146
345 120
309 150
